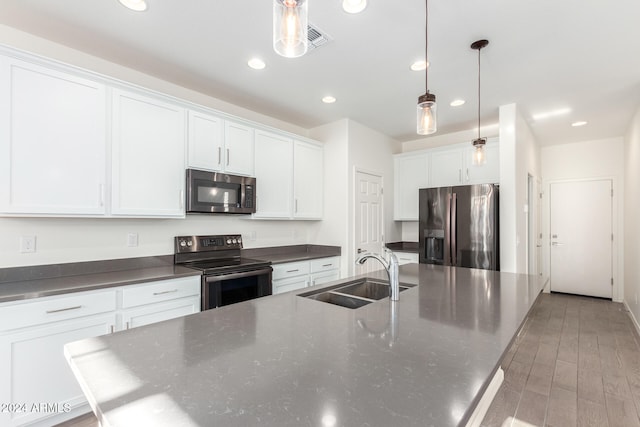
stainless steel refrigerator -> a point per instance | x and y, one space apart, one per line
459 226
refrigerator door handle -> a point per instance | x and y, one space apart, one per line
454 249
447 233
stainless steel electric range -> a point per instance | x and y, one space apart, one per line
227 277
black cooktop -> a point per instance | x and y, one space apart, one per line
227 265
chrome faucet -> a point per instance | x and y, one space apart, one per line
391 265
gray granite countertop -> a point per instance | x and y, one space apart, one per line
286 360
36 288
292 253
19 283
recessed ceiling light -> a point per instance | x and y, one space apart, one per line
554 113
354 6
256 63
137 5
577 124
457 102
419 65
329 99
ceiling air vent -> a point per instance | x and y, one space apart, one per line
316 37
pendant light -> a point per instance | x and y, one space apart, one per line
427 108
479 143
290 21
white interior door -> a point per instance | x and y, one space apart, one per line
581 237
368 222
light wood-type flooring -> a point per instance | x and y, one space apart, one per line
576 362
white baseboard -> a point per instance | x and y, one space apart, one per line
633 318
485 401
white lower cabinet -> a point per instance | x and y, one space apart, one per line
406 257
36 378
300 274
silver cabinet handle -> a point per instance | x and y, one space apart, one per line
219 155
467 174
127 325
165 292
77 307
327 265
228 155
112 328
292 271
459 175
296 206
101 194
557 244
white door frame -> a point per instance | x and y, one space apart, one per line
617 291
354 182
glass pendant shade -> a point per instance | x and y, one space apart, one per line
290 21
354 6
427 114
478 153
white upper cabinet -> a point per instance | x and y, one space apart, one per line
411 174
274 170
289 177
205 141
239 148
308 174
52 141
454 166
148 149
446 168
220 145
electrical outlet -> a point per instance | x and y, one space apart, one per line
27 244
132 240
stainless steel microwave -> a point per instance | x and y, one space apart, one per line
215 192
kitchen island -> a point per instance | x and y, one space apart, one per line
290 360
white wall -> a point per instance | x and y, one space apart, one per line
587 160
441 139
519 158
350 146
631 215
333 229
71 240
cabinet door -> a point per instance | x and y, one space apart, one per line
239 149
205 141
153 313
446 168
52 141
489 172
308 177
291 284
324 277
274 171
411 174
34 369
147 156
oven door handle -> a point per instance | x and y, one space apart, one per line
220 277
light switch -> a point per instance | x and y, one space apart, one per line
27 244
132 240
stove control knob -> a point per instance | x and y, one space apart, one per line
228 241
235 241
183 243
189 243
239 240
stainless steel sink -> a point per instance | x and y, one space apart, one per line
354 293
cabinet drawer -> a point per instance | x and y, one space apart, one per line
325 264
164 290
290 269
406 257
53 309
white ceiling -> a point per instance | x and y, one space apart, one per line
543 55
